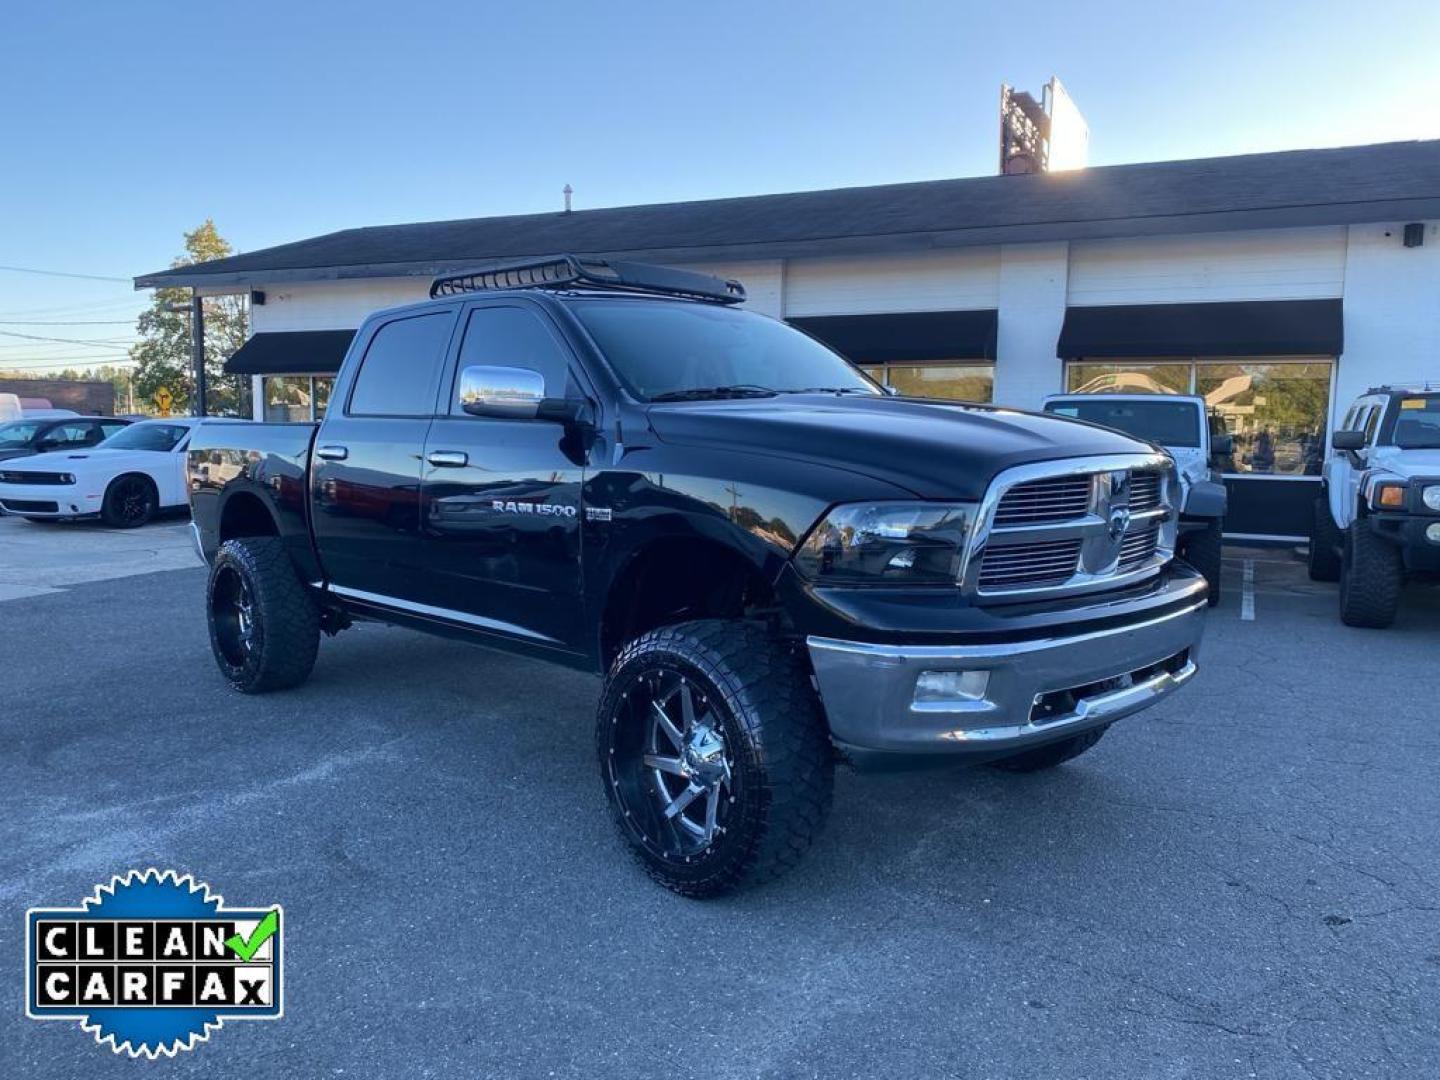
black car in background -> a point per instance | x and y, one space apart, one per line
21 438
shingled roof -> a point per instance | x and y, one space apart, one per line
1383 182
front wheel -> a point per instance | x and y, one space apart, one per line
1325 540
1202 550
130 501
264 625
1372 574
714 755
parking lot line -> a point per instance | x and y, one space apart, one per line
1247 592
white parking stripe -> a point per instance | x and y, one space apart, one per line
1247 593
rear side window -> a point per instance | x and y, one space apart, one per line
401 369
1169 423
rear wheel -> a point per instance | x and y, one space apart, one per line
1052 754
264 625
1372 574
130 501
714 755
1202 550
1325 541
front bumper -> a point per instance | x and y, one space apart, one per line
1038 690
48 500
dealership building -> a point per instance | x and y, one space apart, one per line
1278 286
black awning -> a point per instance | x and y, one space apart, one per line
299 352
1257 328
909 336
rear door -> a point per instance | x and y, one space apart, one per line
500 497
365 483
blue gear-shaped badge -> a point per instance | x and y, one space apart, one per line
144 896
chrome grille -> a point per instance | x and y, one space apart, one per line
1045 502
1145 490
1138 546
1028 566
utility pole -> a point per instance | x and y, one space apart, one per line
197 349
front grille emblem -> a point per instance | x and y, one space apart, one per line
1119 522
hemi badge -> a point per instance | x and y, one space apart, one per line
597 513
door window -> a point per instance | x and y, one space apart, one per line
401 369
517 338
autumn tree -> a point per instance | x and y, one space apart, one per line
162 355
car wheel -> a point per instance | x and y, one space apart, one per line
714 755
264 624
130 501
1052 754
1325 541
1372 574
1202 550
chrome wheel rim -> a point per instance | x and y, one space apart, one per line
232 609
674 776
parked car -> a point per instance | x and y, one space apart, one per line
769 559
1377 520
22 438
126 480
1180 425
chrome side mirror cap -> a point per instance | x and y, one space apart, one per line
510 392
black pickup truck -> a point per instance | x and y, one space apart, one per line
773 563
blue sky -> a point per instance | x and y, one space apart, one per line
126 124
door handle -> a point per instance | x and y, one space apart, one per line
332 453
448 459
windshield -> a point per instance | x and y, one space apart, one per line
146 436
1417 424
674 349
15 435
1169 423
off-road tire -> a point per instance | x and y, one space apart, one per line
1202 550
1325 541
285 619
1372 576
776 742
1052 754
130 501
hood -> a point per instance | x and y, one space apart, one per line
938 450
1408 463
74 460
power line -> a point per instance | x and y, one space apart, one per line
63 273
111 343
67 322
133 300
86 363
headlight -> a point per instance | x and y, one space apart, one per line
905 543
1431 496
1388 497
67 478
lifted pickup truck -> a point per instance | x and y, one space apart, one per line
772 562
1377 520
1180 425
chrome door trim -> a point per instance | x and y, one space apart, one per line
449 614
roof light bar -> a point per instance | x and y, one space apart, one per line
570 271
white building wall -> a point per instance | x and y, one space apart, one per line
331 305
1030 299
1392 312
961 280
1275 264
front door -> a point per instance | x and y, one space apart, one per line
366 479
501 497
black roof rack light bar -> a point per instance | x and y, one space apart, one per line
566 271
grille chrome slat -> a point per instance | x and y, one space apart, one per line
1044 501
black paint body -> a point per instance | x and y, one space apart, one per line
449 549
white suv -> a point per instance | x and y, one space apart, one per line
1378 517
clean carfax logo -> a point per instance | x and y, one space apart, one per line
152 963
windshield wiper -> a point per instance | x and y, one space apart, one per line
704 393
833 390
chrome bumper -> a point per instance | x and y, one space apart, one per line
869 690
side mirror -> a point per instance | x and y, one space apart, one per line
1348 440
513 393
1222 445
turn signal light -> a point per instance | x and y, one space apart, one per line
1390 497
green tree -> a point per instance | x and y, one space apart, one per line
162 356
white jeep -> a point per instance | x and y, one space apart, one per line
1378 517
1180 425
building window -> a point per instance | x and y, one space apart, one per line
296 398
950 381
1276 410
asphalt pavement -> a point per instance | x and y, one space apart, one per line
1240 883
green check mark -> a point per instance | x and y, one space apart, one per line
261 934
